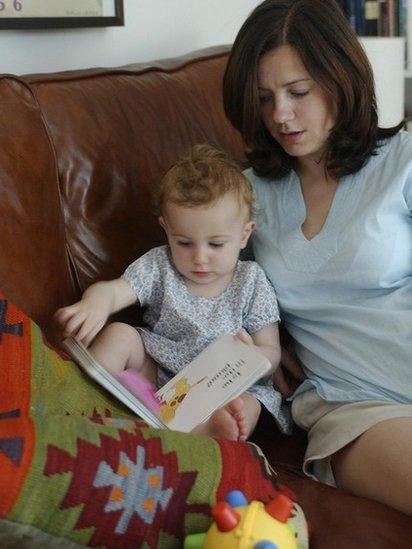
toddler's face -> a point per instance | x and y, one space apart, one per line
205 241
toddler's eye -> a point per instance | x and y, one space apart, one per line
216 244
183 243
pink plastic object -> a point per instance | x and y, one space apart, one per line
140 387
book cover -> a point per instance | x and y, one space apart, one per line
354 10
371 17
220 373
383 21
393 12
402 17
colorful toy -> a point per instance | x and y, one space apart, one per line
140 387
280 524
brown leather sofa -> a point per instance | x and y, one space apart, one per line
79 153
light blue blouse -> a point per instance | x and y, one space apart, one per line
346 295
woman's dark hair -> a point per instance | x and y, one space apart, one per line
330 51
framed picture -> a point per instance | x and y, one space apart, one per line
53 14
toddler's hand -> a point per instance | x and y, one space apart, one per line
82 320
244 337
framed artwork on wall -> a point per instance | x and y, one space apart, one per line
53 14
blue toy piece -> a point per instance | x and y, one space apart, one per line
265 544
236 498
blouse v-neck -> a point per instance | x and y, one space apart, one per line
299 252
303 210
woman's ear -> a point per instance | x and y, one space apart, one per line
247 231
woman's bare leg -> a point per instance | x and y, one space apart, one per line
377 465
119 346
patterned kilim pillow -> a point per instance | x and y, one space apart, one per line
76 464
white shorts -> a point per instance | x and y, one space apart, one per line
333 425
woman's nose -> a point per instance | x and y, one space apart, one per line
282 112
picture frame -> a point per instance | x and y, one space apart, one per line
52 14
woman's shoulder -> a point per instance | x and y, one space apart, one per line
391 167
265 185
396 149
256 179
391 157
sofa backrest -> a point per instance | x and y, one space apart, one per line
80 152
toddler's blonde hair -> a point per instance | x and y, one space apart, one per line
202 177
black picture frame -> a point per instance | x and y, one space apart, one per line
10 23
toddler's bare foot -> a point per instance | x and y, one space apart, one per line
227 422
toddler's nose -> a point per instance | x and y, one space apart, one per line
199 256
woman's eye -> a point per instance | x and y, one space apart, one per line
299 94
264 99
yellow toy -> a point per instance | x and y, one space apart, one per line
280 524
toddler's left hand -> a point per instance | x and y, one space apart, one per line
287 375
244 337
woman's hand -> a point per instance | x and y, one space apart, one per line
289 374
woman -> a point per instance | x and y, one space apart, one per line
335 237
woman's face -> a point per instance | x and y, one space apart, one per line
294 108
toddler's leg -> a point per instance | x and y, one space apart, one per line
235 421
252 408
119 346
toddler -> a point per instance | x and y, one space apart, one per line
193 290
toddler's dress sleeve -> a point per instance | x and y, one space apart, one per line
262 308
144 275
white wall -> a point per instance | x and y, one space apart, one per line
153 29
386 55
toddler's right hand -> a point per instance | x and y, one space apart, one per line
82 320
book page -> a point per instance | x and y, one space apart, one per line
220 373
96 371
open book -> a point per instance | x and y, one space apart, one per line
220 373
